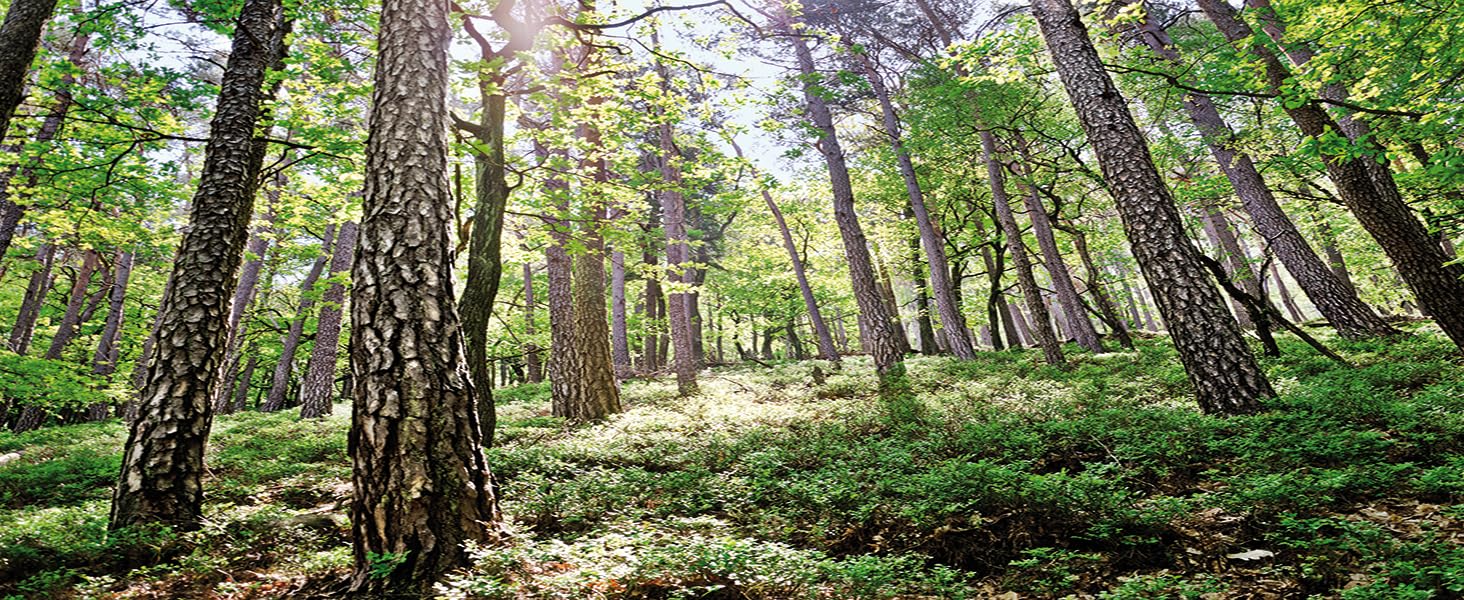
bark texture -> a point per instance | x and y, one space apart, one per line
162 465
678 254
20 35
485 252
1222 369
317 388
279 385
422 486
1041 326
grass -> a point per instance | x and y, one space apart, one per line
1101 481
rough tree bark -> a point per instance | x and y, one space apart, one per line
1222 369
1370 193
678 252
485 253
279 385
317 388
35 295
20 35
422 486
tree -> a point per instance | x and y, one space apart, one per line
279 384
20 34
317 389
421 484
162 465
1222 369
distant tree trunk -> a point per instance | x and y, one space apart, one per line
1075 316
35 296
10 211
673 221
997 317
879 324
1217 228
1335 261
104 361
317 388
1095 289
922 301
280 382
826 348
243 383
244 294
485 252
20 34
652 358
1041 324
619 330
795 345
950 315
1023 331
162 465
71 320
1367 189
1225 375
422 488
1332 293
532 358
887 291
1286 300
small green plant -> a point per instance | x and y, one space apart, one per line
382 564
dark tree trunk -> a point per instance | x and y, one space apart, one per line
20 35
533 360
317 388
1367 190
1041 321
1024 332
1332 294
485 252
652 357
1237 269
879 325
35 296
887 290
1222 369
422 486
162 465
279 385
922 301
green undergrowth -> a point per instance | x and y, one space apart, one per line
998 476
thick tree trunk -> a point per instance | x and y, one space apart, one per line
279 385
162 466
35 296
952 324
1368 191
20 35
422 486
1041 322
1225 374
1332 294
317 388
878 323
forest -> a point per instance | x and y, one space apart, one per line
732 299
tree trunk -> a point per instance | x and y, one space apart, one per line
922 301
950 315
35 296
485 252
20 35
280 382
533 360
1075 316
317 387
1041 322
1286 300
104 362
1225 374
878 323
1370 193
673 221
422 486
1100 296
71 321
1237 269
1332 294
162 466
244 294
619 329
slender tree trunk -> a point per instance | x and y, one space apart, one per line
244 295
104 361
1225 374
1020 326
162 465
673 221
887 291
317 388
1100 296
422 486
533 360
485 252
1237 269
922 301
1286 300
35 296
1368 191
619 329
1041 322
239 400
1332 294
951 322
279 385
71 321
20 35
1335 261
878 324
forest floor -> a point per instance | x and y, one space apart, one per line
1014 480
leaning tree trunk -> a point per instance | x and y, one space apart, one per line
1095 288
317 388
485 252
1370 193
1222 369
244 294
1237 268
71 320
35 296
104 361
958 338
1333 296
10 211
1041 325
928 345
162 466
878 324
279 383
422 486
20 35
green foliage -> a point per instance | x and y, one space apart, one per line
50 384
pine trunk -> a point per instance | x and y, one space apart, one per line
35 296
279 385
485 252
317 388
20 35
